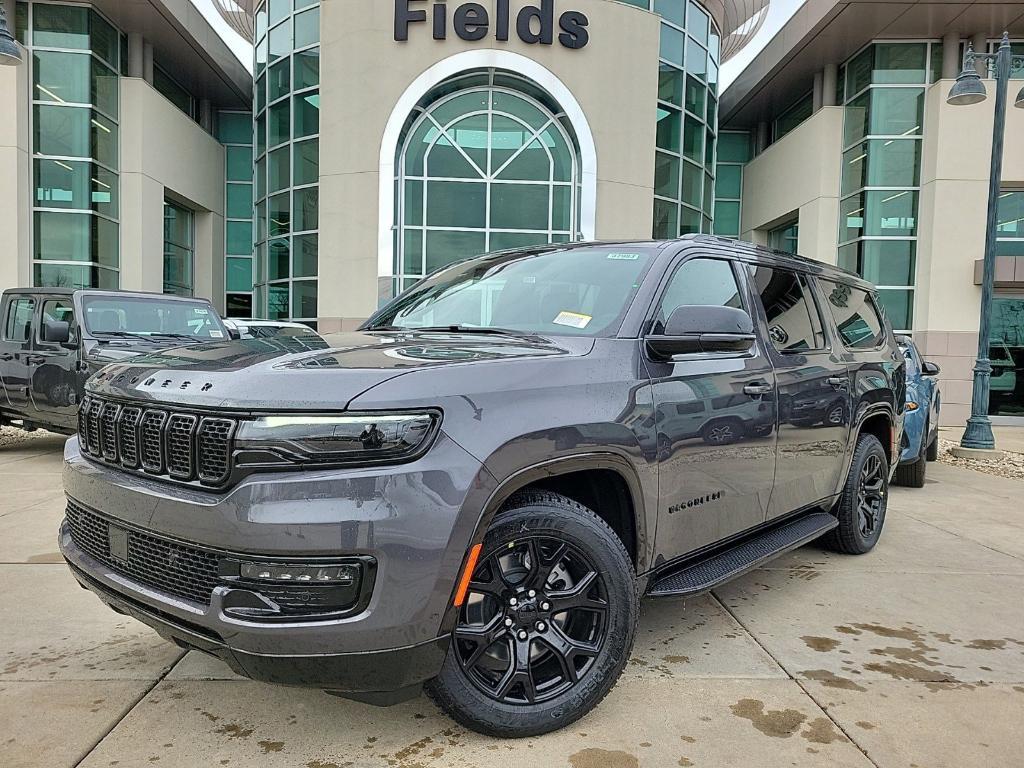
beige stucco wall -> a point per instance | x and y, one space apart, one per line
954 185
617 93
798 174
165 154
16 173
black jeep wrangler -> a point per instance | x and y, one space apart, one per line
476 489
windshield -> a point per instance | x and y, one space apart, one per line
151 317
579 291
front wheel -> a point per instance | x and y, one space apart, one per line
548 622
861 508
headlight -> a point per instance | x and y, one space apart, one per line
368 438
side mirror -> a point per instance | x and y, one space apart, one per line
703 329
233 333
929 369
57 331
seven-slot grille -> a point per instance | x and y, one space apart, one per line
171 567
163 442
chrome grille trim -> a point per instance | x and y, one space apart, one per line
163 442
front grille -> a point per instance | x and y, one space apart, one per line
162 442
171 567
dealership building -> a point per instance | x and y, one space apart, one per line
376 140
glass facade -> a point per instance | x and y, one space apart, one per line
684 164
179 249
792 117
488 161
286 144
733 154
234 131
785 238
74 59
1006 353
882 89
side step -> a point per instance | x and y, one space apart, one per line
696 577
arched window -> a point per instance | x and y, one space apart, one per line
488 161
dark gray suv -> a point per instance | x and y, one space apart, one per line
476 489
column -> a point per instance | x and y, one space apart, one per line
147 61
951 60
829 84
136 55
980 43
817 95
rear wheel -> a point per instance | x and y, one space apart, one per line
548 622
911 475
861 508
932 454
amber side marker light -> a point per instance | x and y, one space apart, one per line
467 575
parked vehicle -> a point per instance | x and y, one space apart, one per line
476 489
921 423
266 329
54 339
1003 379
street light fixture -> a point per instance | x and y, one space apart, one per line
969 89
10 53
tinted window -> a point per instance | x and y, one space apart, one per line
860 324
151 316
699 282
19 319
61 310
794 324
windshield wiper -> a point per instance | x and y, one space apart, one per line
489 330
119 334
176 336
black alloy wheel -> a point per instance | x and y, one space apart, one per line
534 620
547 623
870 495
862 504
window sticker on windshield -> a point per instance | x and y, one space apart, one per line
623 256
217 334
199 311
572 319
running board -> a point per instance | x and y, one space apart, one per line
696 577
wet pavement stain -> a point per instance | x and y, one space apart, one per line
987 645
603 758
866 725
821 730
270 746
685 762
234 731
821 644
832 680
778 723
676 659
899 670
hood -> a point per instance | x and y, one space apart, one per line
100 353
309 372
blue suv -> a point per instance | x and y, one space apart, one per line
921 421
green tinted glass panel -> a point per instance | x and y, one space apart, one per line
697 22
234 128
693 140
503 240
883 262
62 131
279 169
75 237
672 10
696 60
307 114
882 163
414 202
456 204
62 77
278 259
669 129
1010 214
878 214
307 28
304 256
858 72
238 274
278 303
103 39
695 93
280 115
689 221
239 163
238 238
304 303
444 247
733 147
666 219
60 26
307 162
900 63
793 116
279 214
75 184
727 219
670 84
693 179
897 111
306 208
898 307
278 80
75 276
307 69
673 43
172 91
666 175
239 201
729 182
519 206
280 40
519 108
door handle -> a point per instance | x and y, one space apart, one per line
757 388
838 382
34 359
6 356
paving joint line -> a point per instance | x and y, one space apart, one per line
961 536
129 709
800 685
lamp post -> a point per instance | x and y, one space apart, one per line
10 53
969 89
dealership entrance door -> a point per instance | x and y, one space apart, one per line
487 161
1006 351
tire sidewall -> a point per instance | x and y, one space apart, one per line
453 689
867 445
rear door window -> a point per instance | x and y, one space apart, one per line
794 324
18 324
857 317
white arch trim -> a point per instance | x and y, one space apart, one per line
454 65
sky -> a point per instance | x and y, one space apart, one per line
778 14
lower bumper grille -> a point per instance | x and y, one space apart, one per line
176 569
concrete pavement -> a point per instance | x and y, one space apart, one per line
910 656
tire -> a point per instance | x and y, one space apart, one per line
483 688
858 533
932 454
911 475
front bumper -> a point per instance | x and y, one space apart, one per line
408 518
